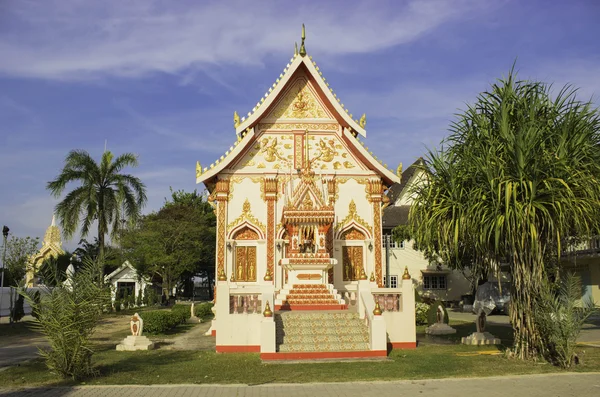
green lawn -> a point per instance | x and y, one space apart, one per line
176 367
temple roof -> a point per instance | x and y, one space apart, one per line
245 127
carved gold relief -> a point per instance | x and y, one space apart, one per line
268 147
326 150
260 165
246 234
348 164
299 126
299 103
287 146
337 165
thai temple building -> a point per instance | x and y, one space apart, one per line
299 199
51 248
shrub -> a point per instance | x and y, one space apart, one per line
131 301
432 313
139 300
183 312
125 299
203 311
18 310
421 310
560 320
159 321
117 305
68 316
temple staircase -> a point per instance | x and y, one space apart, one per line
320 331
309 297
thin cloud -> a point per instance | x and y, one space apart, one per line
73 40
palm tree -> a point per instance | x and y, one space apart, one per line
104 195
519 178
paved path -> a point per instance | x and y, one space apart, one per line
532 386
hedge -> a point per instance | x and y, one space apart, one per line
159 321
183 312
203 310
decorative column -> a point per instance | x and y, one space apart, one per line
374 190
270 191
331 190
221 196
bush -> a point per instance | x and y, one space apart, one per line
68 316
183 312
125 299
432 313
18 311
421 310
160 321
203 310
117 305
560 320
139 300
131 301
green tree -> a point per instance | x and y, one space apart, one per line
178 239
104 195
19 251
516 180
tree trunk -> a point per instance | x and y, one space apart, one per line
100 257
526 280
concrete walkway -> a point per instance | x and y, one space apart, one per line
590 332
562 385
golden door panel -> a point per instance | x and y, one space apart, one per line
353 262
245 264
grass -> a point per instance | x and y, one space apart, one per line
177 367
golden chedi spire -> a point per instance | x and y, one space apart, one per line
52 235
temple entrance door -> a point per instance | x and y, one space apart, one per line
245 263
353 262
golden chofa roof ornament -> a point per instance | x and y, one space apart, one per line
363 120
236 119
296 48
198 169
399 170
302 48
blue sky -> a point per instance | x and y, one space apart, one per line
162 78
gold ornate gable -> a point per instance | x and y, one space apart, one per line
247 218
300 101
352 220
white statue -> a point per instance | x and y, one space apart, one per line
136 325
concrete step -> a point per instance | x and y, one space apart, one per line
323 347
322 339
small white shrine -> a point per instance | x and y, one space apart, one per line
298 199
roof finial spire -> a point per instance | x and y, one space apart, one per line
53 220
302 48
296 49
